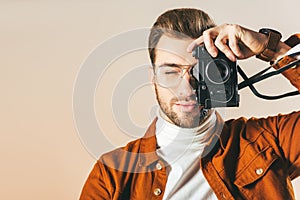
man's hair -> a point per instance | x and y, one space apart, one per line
179 23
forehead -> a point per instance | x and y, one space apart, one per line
173 50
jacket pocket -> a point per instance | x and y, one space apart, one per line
253 169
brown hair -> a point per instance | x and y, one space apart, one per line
178 23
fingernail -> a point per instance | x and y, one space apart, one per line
214 54
233 58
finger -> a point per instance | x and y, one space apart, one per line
221 43
195 43
208 39
233 43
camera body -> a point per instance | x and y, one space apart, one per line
217 79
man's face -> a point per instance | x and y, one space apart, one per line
178 103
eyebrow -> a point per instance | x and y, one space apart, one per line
174 65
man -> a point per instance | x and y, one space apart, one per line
187 153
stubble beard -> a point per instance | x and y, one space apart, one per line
185 120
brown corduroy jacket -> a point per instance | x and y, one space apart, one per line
251 159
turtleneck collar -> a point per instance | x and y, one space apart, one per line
174 140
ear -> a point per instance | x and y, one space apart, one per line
151 76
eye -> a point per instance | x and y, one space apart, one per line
169 70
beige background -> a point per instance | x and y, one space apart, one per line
43 45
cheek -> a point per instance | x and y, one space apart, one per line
165 95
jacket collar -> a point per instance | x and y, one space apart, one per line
148 145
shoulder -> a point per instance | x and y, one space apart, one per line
127 157
116 157
264 122
273 125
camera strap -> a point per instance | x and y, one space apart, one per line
287 62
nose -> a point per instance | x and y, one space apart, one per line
186 87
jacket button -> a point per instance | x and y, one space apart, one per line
157 191
259 171
223 196
158 166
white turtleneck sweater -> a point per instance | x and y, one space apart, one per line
181 148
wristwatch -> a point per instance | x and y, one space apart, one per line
270 48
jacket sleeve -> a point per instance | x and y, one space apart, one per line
289 140
95 186
286 128
292 74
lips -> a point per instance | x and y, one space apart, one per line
184 106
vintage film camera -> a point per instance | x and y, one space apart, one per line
217 79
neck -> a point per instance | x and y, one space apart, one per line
174 141
168 132
204 113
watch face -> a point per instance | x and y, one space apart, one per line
268 30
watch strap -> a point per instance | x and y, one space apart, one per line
270 48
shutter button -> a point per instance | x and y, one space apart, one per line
157 191
158 166
259 171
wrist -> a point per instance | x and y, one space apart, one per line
272 48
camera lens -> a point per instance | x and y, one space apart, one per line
217 71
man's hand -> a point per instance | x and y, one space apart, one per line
235 42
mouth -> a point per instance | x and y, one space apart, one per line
186 106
